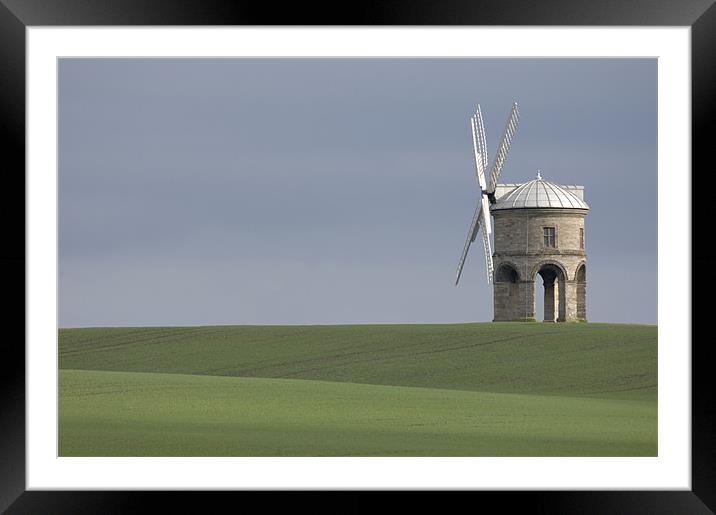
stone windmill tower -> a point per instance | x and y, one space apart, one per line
538 231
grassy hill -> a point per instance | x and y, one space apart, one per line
411 390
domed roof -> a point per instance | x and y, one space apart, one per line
539 193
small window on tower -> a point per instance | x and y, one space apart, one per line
549 237
581 238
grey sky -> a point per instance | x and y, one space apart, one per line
235 191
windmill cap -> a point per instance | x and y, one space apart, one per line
539 193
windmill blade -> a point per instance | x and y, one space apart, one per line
480 165
480 127
504 146
478 143
474 227
486 220
488 249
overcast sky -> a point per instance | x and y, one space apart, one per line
322 191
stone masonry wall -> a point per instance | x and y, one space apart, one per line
519 243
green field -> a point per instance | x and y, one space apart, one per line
494 389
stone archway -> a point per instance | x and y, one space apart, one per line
555 300
507 292
507 272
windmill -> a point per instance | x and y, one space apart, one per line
487 190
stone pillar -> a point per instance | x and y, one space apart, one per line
571 313
526 301
550 301
514 301
501 299
581 301
560 300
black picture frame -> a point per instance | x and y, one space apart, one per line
16 15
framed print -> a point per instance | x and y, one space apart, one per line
237 223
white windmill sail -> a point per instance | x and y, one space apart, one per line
480 150
482 140
474 227
482 218
504 146
488 253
